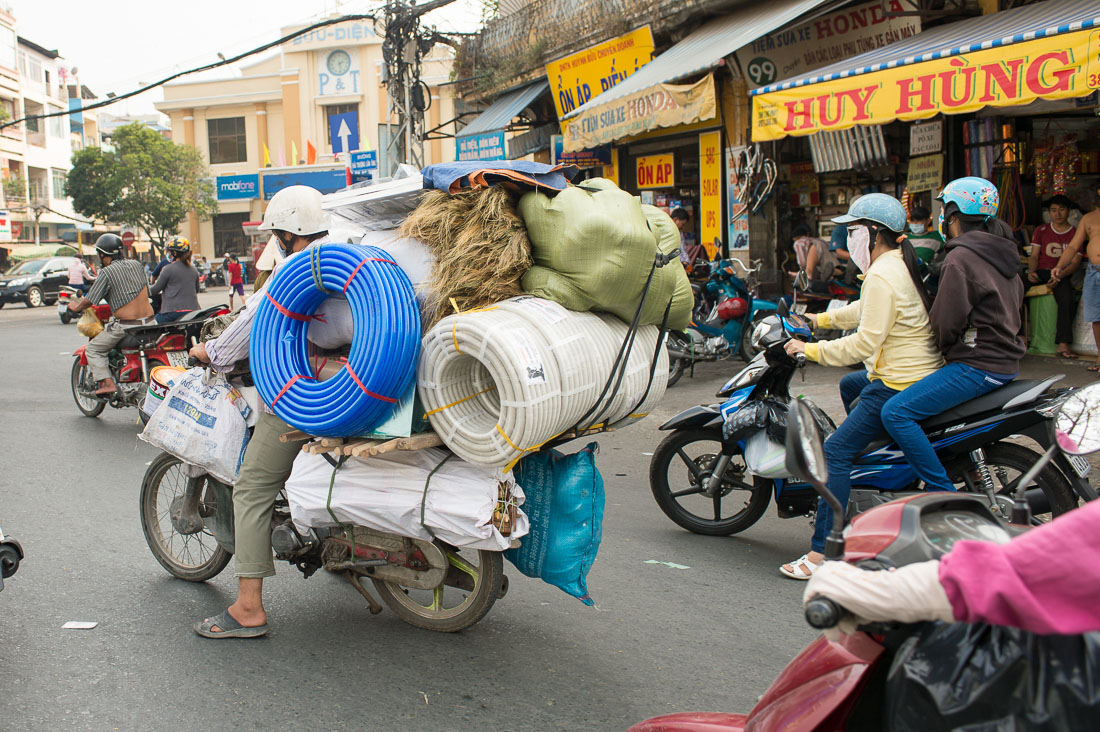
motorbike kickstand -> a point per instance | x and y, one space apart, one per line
353 579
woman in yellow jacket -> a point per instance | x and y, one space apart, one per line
893 339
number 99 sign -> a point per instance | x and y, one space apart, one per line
761 70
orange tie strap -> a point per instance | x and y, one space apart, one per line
356 270
288 385
284 311
366 391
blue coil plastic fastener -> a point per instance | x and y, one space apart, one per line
381 363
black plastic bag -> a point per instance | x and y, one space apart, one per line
983 678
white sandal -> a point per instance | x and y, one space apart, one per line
800 569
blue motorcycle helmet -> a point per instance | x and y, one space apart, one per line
971 196
877 207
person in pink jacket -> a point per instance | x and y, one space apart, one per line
1044 581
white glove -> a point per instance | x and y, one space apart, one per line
907 595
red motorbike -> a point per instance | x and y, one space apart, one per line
838 685
143 348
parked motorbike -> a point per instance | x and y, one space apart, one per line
144 347
718 482
188 523
65 295
11 554
842 684
726 311
203 279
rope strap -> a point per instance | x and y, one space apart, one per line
460 311
359 383
424 496
283 311
315 269
456 403
521 450
288 385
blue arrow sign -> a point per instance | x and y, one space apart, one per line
343 131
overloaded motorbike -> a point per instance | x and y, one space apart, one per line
187 519
723 463
144 347
915 676
11 554
726 311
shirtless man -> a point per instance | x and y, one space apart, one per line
1088 230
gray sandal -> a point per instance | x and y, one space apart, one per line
228 628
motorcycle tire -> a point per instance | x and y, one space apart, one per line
487 585
176 552
675 448
676 366
748 353
1015 460
66 318
88 406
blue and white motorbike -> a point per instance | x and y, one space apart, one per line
721 465
726 311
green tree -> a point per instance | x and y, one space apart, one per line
146 181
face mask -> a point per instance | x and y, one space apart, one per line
859 246
917 229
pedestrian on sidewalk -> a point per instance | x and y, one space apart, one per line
236 281
1088 230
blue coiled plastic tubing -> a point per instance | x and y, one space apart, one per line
381 363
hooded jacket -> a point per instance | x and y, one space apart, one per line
976 315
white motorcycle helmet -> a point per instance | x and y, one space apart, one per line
297 210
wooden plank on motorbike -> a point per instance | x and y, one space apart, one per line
351 446
421 441
293 436
383 448
333 441
366 449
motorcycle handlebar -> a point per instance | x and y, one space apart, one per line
192 362
822 613
800 359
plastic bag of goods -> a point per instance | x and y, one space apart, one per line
161 381
499 382
764 457
565 500
459 503
594 247
203 423
89 325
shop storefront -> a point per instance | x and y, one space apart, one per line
1011 97
671 123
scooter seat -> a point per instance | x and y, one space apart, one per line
990 402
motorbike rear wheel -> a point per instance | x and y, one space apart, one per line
80 379
465 596
676 473
66 317
193 557
1007 462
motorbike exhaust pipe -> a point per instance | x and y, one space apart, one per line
676 353
1038 501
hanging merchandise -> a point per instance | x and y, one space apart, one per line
594 249
1064 162
480 247
1041 160
382 359
754 178
1011 211
423 494
499 382
565 502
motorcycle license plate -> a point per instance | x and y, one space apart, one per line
1080 465
800 309
177 359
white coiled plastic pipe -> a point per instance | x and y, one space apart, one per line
499 382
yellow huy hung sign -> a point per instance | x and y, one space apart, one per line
576 79
1056 67
661 105
655 171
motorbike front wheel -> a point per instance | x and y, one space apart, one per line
81 381
677 471
474 581
195 557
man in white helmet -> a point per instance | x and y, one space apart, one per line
295 218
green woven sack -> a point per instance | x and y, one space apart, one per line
593 247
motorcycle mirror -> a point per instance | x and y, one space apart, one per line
782 310
806 461
805 448
1077 424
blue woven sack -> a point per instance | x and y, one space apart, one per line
564 503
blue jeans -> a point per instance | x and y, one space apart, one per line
851 386
949 387
861 428
171 317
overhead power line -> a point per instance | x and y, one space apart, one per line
223 62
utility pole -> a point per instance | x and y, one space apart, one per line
403 48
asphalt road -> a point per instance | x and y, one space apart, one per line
709 636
